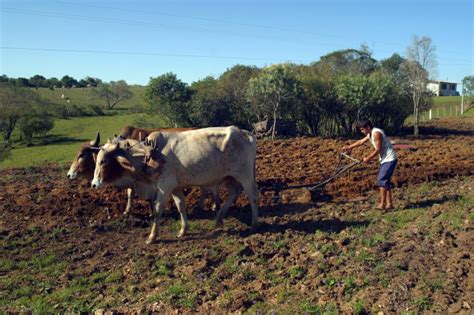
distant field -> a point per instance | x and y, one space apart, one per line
65 138
82 96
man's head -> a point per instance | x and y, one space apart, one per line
365 126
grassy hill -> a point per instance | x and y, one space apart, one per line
64 140
83 96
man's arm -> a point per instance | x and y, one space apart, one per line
378 146
356 144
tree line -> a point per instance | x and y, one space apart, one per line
324 98
39 81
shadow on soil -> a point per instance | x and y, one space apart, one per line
432 202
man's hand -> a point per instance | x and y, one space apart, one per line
346 148
366 159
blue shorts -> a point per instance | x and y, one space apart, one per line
385 173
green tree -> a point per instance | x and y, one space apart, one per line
37 81
233 85
68 82
15 102
112 93
345 61
34 123
274 93
207 105
468 88
168 96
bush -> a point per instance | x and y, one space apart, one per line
34 125
5 148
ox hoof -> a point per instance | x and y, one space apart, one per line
218 223
150 241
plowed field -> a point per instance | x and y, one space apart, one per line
67 247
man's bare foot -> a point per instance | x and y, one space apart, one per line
380 206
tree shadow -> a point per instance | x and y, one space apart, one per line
432 132
57 140
432 202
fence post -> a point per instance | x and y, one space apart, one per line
450 111
430 114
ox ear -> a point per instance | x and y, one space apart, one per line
125 163
96 141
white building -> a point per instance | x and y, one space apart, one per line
443 88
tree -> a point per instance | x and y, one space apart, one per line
468 87
345 61
274 92
37 81
232 86
112 93
419 67
168 96
15 102
68 82
34 123
207 105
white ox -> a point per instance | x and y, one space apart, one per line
203 157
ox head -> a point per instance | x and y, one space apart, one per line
118 165
83 164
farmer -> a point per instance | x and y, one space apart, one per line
387 156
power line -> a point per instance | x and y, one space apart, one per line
111 52
82 4
138 53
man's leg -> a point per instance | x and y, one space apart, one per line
381 204
388 199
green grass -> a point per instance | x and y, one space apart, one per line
64 140
83 96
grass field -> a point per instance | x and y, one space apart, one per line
64 140
83 96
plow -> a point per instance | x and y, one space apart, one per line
316 189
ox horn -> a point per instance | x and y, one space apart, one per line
96 142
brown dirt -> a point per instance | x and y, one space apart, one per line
96 237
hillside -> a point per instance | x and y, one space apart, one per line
82 96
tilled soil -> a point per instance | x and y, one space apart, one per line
332 252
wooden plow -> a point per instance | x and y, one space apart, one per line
316 189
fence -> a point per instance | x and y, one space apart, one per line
442 111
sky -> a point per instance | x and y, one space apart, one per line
137 40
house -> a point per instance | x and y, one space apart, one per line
442 88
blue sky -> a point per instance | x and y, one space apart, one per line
136 40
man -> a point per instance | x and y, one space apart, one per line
387 156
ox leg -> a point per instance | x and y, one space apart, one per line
202 198
178 198
251 190
234 189
130 195
214 192
158 206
